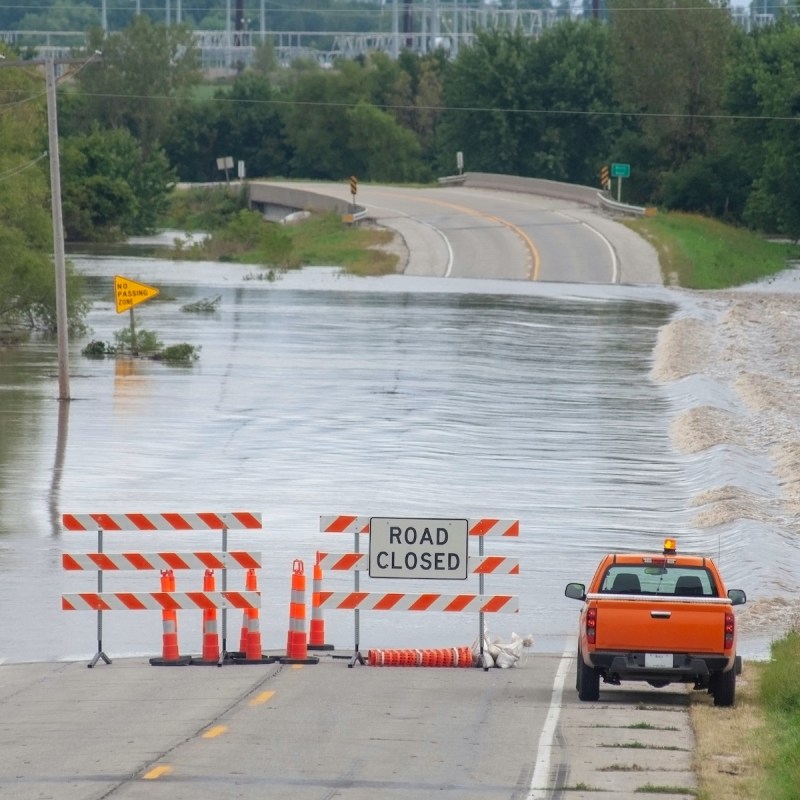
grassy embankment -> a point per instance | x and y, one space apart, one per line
752 751
701 253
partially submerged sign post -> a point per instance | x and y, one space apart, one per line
127 294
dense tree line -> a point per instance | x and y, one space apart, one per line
707 115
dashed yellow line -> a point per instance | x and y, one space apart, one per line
211 733
157 772
260 699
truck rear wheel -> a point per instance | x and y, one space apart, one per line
588 681
723 687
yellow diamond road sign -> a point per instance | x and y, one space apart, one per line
129 293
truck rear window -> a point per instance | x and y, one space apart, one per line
651 579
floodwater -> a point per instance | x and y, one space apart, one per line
574 409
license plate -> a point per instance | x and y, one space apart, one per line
658 660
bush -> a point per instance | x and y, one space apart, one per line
147 342
179 354
98 349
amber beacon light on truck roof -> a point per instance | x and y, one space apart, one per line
670 547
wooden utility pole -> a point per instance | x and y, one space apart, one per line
62 319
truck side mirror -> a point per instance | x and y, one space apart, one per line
576 591
737 597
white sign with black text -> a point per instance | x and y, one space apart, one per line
418 548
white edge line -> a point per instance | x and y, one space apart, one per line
612 252
449 268
541 772
606 242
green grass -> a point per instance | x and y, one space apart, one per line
326 241
780 696
702 253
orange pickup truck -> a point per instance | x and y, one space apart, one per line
661 618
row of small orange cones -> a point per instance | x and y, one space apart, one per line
442 657
250 640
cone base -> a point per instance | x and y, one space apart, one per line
308 660
262 660
321 647
181 661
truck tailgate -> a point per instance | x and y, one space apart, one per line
651 625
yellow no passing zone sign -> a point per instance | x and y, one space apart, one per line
128 293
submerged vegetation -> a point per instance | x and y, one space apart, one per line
236 234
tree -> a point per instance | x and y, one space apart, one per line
317 124
27 275
483 97
110 189
384 150
670 59
249 126
144 71
531 107
764 101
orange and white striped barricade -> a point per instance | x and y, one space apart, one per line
296 642
480 565
171 601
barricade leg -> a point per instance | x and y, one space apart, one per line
211 649
170 655
251 633
296 642
316 633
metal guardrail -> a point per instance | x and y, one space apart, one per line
623 208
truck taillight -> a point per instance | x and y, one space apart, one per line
591 625
730 629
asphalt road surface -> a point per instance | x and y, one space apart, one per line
463 232
312 732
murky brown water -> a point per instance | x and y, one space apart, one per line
601 417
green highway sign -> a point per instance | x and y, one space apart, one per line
620 170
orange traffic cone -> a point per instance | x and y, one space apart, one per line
211 651
170 655
250 641
296 642
316 633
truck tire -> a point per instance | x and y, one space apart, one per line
723 687
588 681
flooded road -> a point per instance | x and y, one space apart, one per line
564 406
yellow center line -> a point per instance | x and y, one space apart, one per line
261 698
217 730
529 243
157 772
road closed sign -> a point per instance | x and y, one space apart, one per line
437 549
